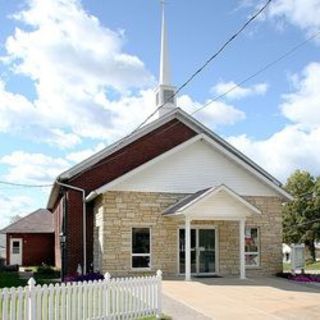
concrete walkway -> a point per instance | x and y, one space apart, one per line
178 310
226 299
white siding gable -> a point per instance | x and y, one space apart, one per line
220 206
195 167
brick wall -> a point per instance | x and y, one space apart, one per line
36 249
117 212
123 161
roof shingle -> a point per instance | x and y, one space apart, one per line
39 221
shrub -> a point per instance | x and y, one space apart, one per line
45 269
87 277
2 262
10 268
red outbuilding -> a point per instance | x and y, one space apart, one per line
30 240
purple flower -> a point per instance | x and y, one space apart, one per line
87 277
304 278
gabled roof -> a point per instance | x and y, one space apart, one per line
178 114
184 205
185 202
39 221
113 184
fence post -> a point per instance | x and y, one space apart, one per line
159 306
107 278
31 300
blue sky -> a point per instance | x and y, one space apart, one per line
77 75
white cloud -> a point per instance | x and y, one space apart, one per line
20 116
239 92
14 205
216 114
32 168
73 61
73 77
81 155
69 45
297 145
303 14
285 151
303 106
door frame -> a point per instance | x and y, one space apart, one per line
21 250
216 249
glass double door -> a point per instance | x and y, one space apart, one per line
203 255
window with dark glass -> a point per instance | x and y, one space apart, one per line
252 250
15 247
141 248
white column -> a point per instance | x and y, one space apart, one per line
187 249
242 248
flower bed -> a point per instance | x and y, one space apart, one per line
300 277
88 277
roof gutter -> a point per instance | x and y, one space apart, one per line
84 218
91 196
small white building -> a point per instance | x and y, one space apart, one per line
286 252
2 246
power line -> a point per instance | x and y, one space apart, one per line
23 185
269 65
255 74
198 71
266 67
237 85
207 62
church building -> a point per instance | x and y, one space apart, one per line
174 196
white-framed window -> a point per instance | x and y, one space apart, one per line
252 247
16 247
140 252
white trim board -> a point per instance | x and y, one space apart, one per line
201 137
212 192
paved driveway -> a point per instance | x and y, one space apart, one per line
225 298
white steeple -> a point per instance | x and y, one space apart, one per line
165 90
164 74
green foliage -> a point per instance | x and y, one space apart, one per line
301 217
11 279
45 269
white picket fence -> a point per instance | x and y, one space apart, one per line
116 298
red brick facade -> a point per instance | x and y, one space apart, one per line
142 150
37 248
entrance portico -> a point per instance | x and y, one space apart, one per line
218 204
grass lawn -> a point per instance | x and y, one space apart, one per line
309 266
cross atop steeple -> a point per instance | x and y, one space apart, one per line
165 90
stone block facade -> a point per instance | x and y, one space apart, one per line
116 213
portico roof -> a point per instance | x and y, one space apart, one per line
219 203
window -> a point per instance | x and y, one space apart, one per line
141 248
15 247
252 251
168 96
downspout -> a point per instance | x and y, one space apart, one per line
84 217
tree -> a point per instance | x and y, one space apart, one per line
15 218
301 217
